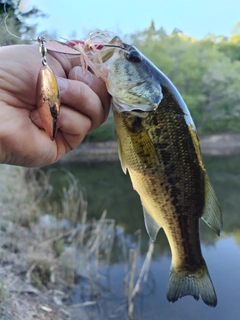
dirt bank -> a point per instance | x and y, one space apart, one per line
221 144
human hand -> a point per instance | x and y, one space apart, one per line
84 106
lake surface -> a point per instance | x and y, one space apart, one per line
106 187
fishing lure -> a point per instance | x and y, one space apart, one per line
47 92
47 88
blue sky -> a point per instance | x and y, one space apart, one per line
194 18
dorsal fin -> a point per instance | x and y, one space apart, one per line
151 225
212 213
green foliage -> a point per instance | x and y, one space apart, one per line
106 132
16 23
206 72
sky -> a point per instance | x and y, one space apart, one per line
78 17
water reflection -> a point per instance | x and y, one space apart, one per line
106 187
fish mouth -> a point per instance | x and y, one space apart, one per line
136 110
139 113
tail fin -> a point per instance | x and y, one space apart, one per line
196 284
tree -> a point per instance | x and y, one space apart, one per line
230 46
16 23
220 108
206 77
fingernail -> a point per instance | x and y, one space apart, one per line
84 76
62 83
34 115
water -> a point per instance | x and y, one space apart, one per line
106 187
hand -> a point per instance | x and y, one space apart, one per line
84 106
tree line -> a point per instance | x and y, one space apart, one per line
205 71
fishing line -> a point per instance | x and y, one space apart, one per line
5 23
114 46
92 35
6 26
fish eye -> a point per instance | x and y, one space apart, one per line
134 56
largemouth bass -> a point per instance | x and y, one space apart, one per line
159 147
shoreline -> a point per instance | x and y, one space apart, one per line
213 145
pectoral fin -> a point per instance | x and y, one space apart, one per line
151 225
121 157
212 213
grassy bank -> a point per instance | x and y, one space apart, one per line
44 254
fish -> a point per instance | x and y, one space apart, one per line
158 145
